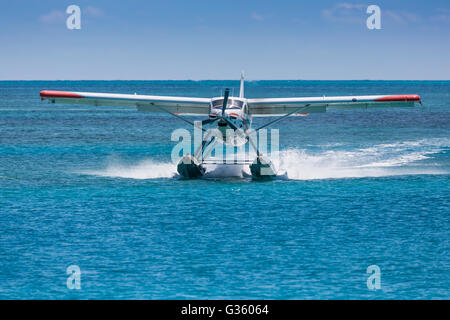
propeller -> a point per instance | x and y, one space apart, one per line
231 124
225 101
222 117
208 121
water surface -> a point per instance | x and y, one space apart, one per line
95 187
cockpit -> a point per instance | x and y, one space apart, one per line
233 103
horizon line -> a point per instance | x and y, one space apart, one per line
193 80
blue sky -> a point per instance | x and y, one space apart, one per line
208 39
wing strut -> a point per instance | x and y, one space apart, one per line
176 116
285 116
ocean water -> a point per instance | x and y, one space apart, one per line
95 187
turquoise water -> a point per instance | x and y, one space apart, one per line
95 187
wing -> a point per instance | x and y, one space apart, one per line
282 106
178 105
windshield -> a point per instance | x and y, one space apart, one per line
231 104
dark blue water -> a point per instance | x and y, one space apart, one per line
95 187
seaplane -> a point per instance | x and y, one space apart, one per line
230 117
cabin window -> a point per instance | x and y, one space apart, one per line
231 104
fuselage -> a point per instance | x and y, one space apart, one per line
236 112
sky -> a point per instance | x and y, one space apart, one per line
209 39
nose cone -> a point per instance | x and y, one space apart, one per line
222 124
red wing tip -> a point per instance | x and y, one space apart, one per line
59 94
401 97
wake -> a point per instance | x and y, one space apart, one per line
402 158
146 169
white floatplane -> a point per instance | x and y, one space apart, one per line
230 113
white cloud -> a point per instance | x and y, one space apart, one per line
257 16
355 12
93 12
347 5
442 15
58 16
54 16
345 12
403 17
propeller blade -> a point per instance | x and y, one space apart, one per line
209 121
225 101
